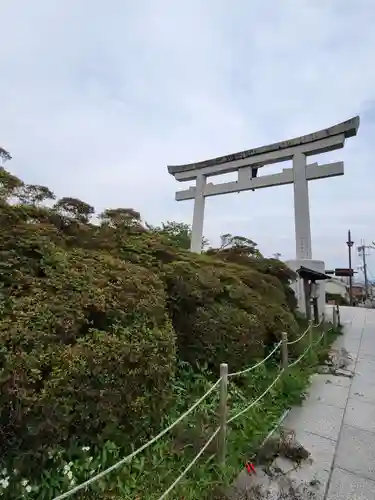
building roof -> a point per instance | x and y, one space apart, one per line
338 281
311 274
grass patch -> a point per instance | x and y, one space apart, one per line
151 472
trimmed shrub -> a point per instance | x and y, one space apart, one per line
216 307
92 314
87 351
111 385
221 333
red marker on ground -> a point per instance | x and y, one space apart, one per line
250 468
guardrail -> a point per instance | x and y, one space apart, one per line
221 430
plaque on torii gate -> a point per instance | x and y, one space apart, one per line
246 164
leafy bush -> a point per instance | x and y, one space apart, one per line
92 314
223 311
87 350
220 333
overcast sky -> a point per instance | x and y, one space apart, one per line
98 97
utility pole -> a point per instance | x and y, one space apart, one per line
350 244
362 249
365 271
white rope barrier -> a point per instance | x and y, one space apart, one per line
276 426
300 357
306 351
251 405
299 338
128 458
186 470
322 335
320 323
247 370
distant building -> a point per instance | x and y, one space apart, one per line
337 287
359 292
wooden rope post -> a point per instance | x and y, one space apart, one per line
311 339
284 350
223 414
334 317
324 329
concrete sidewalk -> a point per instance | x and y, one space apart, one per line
336 423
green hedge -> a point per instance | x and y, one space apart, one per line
87 350
94 316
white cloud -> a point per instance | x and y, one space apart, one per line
98 97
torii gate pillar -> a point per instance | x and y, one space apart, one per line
198 215
301 208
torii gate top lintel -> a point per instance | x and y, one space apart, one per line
344 130
246 164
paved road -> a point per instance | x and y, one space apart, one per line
337 421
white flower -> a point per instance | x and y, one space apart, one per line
4 483
24 482
4 472
66 468
28 488
85 448
90 459
70 474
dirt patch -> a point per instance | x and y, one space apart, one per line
338 363
274 485
283 444
283 488
271 482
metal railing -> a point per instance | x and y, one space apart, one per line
221 432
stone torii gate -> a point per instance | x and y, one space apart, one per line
247 163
